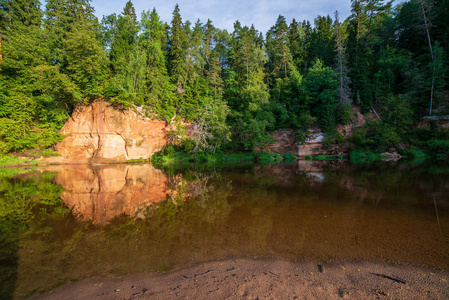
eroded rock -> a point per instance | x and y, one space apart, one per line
100 133
285 140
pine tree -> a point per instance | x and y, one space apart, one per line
279 56
321 82
296 44
160 97
177 51
129 10
21 49
72 31
322 44
209 33
344 91
195 59
363 41
4 20
23 121
211 57
124 39
85 59
59 19
108 31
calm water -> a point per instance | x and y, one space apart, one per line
71 222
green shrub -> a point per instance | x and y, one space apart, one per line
187 144
320 157
436 146
359 155
375 137
344 114
289 157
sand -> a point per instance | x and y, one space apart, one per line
268 279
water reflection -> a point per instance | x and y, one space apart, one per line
131 218
103 192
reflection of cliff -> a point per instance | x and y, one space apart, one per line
100 193
334 177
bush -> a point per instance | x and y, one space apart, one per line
289 157
436 146
360 155
398 112
187 144
344 114
375 137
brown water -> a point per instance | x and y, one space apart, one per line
120 219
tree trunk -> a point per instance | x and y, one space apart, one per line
285 59
431 56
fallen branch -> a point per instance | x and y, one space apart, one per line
202 274
391 278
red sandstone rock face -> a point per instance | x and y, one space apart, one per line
100 133
285 140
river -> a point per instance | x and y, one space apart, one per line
65 223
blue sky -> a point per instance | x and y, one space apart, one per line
223 13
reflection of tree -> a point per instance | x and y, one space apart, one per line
24 199
263 217
206 192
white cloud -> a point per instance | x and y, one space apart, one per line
223 14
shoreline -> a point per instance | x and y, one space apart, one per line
261 278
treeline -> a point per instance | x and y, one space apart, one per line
236 86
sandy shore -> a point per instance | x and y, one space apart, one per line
268 279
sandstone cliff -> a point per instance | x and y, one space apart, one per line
285 140
100 133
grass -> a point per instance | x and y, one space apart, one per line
11 160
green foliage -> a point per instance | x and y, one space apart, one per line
438 147
56 86
280 58
331 138
326 157
322 89
10 160
323 42
166 157
86 62
236 87
358 156
398 112
20 200
255 134
289 157
375 136
344 114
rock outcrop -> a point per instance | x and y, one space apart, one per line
100 133
313 145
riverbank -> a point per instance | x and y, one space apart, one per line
268 279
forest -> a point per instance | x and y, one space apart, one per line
237 86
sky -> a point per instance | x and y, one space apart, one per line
223 13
